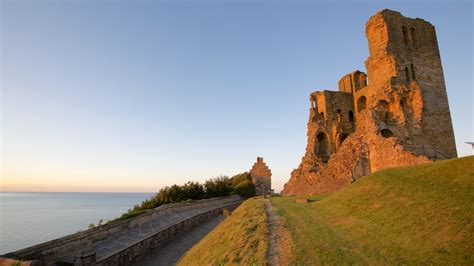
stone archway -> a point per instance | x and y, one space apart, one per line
361 103
386 133
341 138
322 146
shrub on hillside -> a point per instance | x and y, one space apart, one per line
163 195
245 189
218 187
193 190
221 186
175 194
242 185
236 179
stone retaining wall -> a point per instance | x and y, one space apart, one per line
74 245
137 251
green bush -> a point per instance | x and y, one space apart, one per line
221 186
175 194
193 190
163 195
239 178
242 185
218 187
245 189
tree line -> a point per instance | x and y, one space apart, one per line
221 186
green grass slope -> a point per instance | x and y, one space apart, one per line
241 239
412 215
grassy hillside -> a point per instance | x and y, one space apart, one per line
413 215
242 238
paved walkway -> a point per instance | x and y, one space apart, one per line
130 236
170 253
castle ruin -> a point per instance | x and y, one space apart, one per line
395 115
261 177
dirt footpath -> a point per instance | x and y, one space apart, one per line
280 243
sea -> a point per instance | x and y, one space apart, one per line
30 218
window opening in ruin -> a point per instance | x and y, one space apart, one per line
342 137
402 103
384 113
361 103
405 35
383 104
386 133
413 40
322 114
351 116
413 72
322 146
407 74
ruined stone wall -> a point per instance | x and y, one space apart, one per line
352 82
329 123
400 118
261 177
72 245
404 55
363 152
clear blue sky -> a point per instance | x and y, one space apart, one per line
135 95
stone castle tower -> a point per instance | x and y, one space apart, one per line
261 177
400 117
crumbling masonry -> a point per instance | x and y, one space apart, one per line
261 177
401 117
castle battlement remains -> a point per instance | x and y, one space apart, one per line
395 115
261 177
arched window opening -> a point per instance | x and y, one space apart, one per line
383 111
322 114
361 103
322 146
338 115
386 133
342 137
383 104
405 35
407 74
351 116
413 72
402 103
413 40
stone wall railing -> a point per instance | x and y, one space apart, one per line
134 252
74 245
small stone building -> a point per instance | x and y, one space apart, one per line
261 177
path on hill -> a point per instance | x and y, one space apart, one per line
171 252
280 243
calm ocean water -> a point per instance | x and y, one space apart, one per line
31 218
